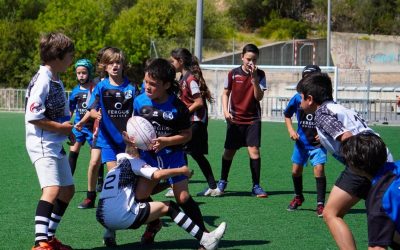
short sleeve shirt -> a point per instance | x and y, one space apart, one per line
116 103
305 124
117 207
167 118
190 91
243 106
45 99
332 120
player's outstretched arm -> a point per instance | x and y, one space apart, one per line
166 173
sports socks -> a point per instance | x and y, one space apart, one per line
184 221
91 195
101 174
255 167
58 211
321 189
191 208
73 158
205 167
226 166
298 185
42 219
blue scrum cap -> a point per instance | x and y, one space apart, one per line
85 63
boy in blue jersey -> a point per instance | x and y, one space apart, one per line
307 146
366 154
111 102
78 100
171 121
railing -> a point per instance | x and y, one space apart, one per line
384 111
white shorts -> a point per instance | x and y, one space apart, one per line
52 171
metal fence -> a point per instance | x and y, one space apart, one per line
351 88
379 111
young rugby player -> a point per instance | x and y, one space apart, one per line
119 209
243 90
195 94
335 123
307 147
366 155
47 126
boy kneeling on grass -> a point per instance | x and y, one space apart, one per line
366 155
118 207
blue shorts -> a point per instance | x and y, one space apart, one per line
175 159
109 154
84 135
301 155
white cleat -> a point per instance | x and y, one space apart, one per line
210 240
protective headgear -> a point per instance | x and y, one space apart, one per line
87 64
310 69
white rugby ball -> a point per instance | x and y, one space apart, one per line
142 130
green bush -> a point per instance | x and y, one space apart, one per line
284 28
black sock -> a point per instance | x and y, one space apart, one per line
255 167
298 185
205 167
226 166
192 209
91 195
73 158
42 219
58 211
321 189
100 178
181 219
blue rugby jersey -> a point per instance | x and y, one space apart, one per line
167 118
306 127
116 103
78 102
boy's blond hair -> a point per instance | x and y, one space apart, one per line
55 46
111 55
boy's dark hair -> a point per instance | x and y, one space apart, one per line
365 151
162 70
307 71
250 48
317 85
54 46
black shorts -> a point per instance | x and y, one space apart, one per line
199 142
353 184
141 217
243 135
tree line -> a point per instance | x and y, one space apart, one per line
132 24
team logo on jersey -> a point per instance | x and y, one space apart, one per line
309 117
118 105
35 107
118 94
128 94
84 105
168 115
84 96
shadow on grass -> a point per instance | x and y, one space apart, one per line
270 193
187 244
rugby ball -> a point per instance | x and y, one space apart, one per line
143 132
